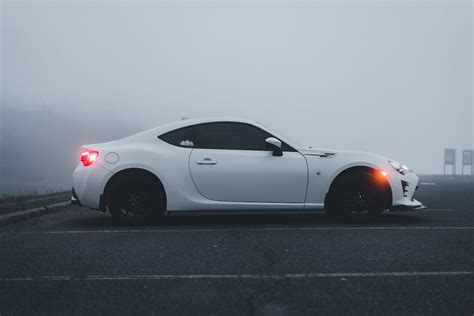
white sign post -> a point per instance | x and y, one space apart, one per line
467 159
450 159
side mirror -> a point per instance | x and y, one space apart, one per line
275 145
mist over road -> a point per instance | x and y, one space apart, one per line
333 75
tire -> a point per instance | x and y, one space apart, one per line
136 199
357 197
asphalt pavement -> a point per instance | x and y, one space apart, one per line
78 261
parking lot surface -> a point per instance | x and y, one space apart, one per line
78 261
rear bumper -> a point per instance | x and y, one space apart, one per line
88 184
74 199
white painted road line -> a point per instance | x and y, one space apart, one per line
145 277
428 183
134 231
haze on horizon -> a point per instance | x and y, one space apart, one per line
393 78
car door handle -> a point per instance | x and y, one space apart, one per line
207 161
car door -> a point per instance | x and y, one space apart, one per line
231 162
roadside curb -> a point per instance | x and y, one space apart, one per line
26 214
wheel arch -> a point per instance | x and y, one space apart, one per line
349 170
104 198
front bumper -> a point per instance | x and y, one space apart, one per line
413 205
403 189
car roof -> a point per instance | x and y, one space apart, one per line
194 121
159 130
162 129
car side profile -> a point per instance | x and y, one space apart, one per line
235 165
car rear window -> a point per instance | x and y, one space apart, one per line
182 137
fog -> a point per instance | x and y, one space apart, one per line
393 78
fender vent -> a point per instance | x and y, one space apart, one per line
326 155
321 154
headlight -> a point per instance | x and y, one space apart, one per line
401 168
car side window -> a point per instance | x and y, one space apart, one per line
182 137
232 136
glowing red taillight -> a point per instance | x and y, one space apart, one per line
89 156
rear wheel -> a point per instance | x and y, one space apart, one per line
358 197
136 199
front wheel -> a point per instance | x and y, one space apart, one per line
358 197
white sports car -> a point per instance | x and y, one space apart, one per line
234 165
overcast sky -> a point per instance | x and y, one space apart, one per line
394 78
